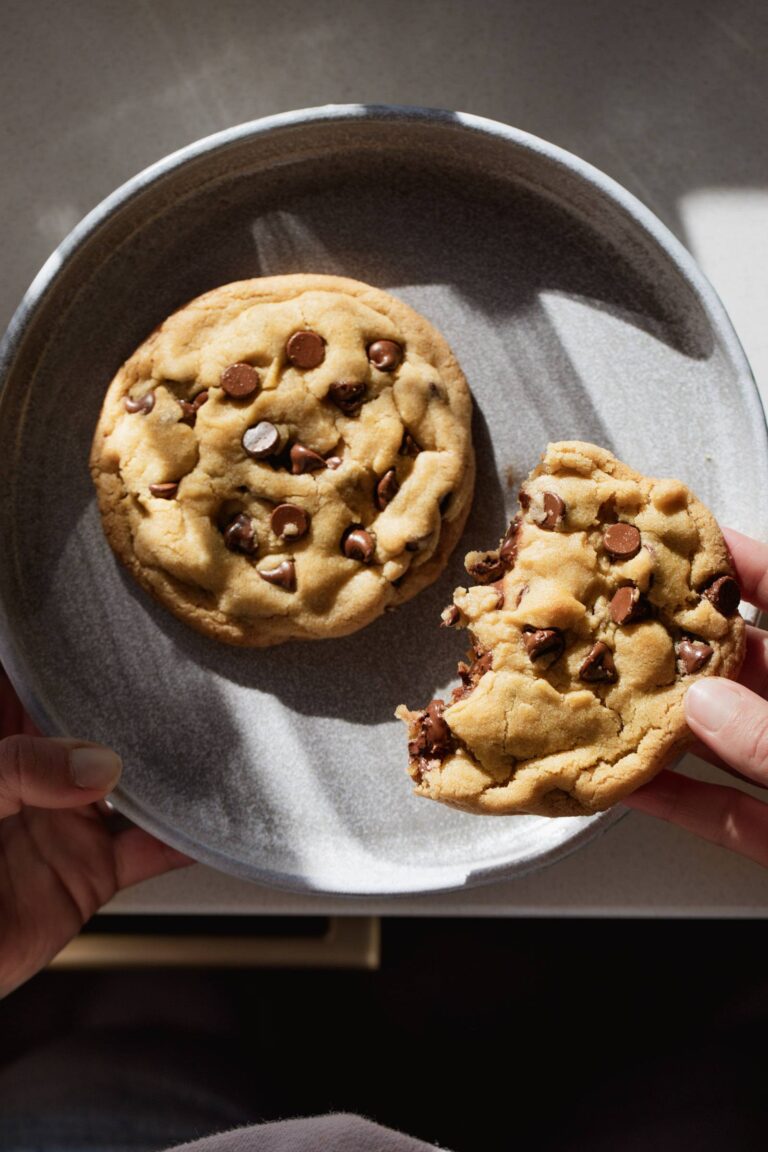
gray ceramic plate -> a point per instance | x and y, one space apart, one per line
574 314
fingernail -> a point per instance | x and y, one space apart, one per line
95 768
711 703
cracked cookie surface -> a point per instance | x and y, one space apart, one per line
286 457
610 593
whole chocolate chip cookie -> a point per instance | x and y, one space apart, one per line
608 595
286 457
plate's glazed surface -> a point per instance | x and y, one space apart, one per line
574 314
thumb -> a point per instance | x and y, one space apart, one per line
47 773
733 722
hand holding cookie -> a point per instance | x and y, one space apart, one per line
731 721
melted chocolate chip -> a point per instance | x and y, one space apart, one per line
190 408
622 541
305 460
386 355
724 594
409 447
450 616
627 605
262 440
434 739
509 545
543 642
554 511
240 380
386 489
284 576
164 491
305 349
348 395
358 544
289 521
143 404
240 536
487 568
471 674
482 663
189 413
692 655
598 664
499 586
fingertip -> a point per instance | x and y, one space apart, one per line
710 704
95 768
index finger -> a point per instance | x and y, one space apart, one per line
726 816
750 559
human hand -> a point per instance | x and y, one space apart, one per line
59 858
731 721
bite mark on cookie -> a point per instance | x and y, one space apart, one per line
616 591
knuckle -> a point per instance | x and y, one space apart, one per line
23 767
15 758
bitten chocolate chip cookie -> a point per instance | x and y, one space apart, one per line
286 457
608 595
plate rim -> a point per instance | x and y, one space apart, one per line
447 877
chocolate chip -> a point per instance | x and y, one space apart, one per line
305 460
542 642
200 399
554 511
434 740
598 664
261 440
386 355
240 380
358 544
284 576
240 536
499 586
471 674
143 404
386 489
627 605
486 567
692 655
165 491
409 447
348 396
482 663
189 413
509 545
622 541
450 616
724 594
289 521
305 349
